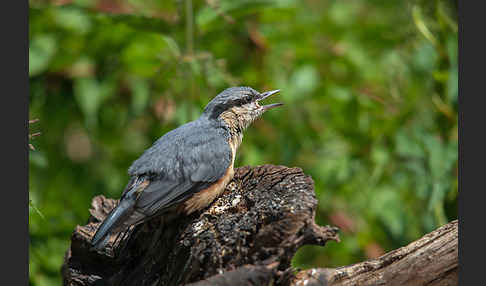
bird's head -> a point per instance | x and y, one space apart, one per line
239 106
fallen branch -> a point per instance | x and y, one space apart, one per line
432 260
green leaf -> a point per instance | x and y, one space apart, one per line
172 46
73 19
144 53
208 15
419 21
140 95
453 79
426 57
96 18
31 204
38 159
42 48
387 205
302 82
90 94
441 160
407 145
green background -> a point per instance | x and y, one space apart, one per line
370 91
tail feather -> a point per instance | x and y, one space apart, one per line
101 243
112 221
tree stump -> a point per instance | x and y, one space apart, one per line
247 236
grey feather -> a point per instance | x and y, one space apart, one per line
184 167
112 221
184 150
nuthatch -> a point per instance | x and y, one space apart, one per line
188 167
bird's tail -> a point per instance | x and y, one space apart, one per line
114 219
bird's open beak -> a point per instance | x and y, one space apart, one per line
267 94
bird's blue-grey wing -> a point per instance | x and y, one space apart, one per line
180 170
179 164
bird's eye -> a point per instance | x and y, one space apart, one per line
245 100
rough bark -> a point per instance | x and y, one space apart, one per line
432 260
264 216
248 236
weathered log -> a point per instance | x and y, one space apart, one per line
248 236
432 260
263 217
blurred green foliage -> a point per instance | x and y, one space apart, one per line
370 91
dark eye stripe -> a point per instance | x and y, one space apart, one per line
242 101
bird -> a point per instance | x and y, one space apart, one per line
188 167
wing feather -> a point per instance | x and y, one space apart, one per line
188 167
